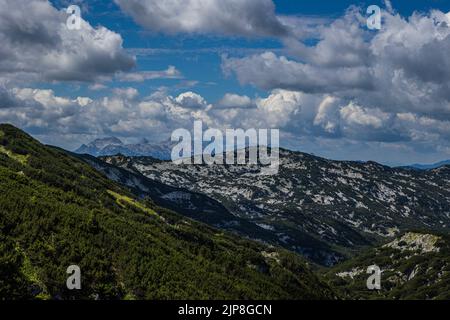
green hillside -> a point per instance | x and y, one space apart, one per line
414 266
56 211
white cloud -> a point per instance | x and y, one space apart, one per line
280 107
402 68
356 115
353 89
269 71
37 45
302 118
127 93
231 17
170 73
97 87
231 100
323 114
191 100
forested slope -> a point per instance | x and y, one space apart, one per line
57 211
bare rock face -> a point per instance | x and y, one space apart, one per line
314 206
416 242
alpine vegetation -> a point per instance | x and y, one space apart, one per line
178 187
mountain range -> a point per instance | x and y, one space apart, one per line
113 146
57 211
319 208
430 166
143 228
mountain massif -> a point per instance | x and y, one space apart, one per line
112 146
320 208
57 211
141 228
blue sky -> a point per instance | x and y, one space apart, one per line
199 56
309 68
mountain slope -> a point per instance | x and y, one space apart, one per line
317 207
190 204
414 266
56 211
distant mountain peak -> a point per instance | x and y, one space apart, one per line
111 146
104 142
429 166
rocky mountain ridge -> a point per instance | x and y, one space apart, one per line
314 206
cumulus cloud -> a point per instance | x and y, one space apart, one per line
403 68
352 89
191 100
231 17
269 71
36 44
123 113
356 115
323 117
302 118
231 100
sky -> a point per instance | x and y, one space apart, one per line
143 68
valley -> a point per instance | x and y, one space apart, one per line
141 228
320 208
